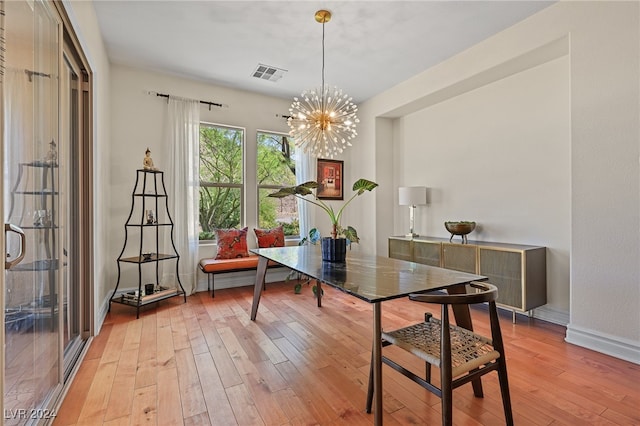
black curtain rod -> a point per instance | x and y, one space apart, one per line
210 104
36 73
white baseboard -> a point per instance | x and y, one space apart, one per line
102 312
601 342
553 315
544 313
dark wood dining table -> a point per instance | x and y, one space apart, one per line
373 279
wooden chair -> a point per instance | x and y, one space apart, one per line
460 354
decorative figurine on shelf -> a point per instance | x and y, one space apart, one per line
151 217
147 163
52 156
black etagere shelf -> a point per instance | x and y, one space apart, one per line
148 196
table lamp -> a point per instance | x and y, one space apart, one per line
412 196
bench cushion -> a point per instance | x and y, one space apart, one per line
227 265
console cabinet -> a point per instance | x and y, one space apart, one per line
427 252
519 271
461 257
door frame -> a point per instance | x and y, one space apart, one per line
83 187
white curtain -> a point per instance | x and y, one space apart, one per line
305 171
182 183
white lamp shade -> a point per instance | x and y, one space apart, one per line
412 195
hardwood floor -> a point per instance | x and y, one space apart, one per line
205 362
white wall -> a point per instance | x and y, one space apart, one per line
599 41
138 121
487 157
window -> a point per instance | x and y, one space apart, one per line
276 169
221 178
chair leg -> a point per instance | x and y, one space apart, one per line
446 370
447 404
211 280
504 390
370 387
477 386
427 366
498 344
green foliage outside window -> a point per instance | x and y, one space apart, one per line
221 180
221 151
275 169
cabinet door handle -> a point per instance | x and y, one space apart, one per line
9 227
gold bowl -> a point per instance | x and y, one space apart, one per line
461 228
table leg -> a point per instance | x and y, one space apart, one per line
377 364
319 293
258 286
463 319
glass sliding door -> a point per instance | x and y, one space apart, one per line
31 188
46 199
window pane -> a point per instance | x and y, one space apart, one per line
221 174
276 165
220 154
278 211
276 168
220 207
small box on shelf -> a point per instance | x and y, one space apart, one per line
159 293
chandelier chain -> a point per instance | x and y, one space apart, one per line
322 88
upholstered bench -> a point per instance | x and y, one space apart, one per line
211 267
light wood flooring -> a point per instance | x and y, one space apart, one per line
205 362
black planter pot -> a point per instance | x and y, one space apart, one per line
334 250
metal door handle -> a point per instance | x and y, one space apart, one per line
8 264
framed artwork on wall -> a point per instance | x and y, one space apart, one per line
330 178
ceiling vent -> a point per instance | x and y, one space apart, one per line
268 72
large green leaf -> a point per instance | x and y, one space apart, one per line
351 234
359 187
362 185
302 189
305 188
310 184
283 192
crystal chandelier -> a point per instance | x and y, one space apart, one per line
323 121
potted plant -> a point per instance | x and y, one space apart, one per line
334 247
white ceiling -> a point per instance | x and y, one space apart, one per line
369 45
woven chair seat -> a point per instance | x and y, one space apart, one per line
468 350
461 355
